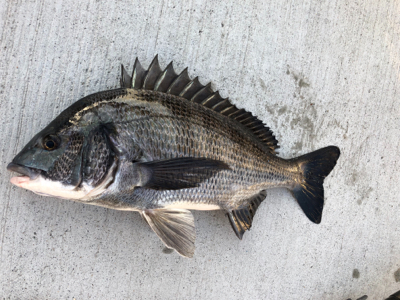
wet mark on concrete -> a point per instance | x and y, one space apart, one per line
353 178
263 85
270 109
302 83
356 273
167 250
364 194
299 116
337 124
297 146
300 79
305 122
282 110
397 275
362 189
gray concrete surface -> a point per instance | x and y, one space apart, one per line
317 72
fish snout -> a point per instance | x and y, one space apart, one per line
29 172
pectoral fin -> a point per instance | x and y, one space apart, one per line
175 227
180 173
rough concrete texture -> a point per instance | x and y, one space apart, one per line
317 72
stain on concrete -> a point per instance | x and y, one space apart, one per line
337 124
300 79
270 109
262 84
353 178
298 146
300 116
167 250
296 122
378 211
356 273
302 83
397 275
303 122
362 188
364 193
282 110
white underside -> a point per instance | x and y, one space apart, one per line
192 206
46 187
50 188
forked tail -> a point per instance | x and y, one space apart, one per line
310 192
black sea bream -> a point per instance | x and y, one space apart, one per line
163 145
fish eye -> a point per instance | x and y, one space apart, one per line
50 143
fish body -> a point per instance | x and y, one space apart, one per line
163 145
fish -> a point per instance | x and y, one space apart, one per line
163 145
394 296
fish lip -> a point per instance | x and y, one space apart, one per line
23 170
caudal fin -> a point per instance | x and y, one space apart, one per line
394 296
310 193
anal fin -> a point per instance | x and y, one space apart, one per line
175 227
241 219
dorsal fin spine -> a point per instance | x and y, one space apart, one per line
241 116
152 74
229 110
237 113
165 79
179 83
126 80
212 100
191 88
138 75
221 105
249 119
202 94
254 125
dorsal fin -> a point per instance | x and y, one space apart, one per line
169 82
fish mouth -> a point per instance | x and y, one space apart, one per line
30 173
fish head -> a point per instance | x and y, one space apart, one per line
71 158
50 164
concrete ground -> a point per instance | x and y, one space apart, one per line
317 72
